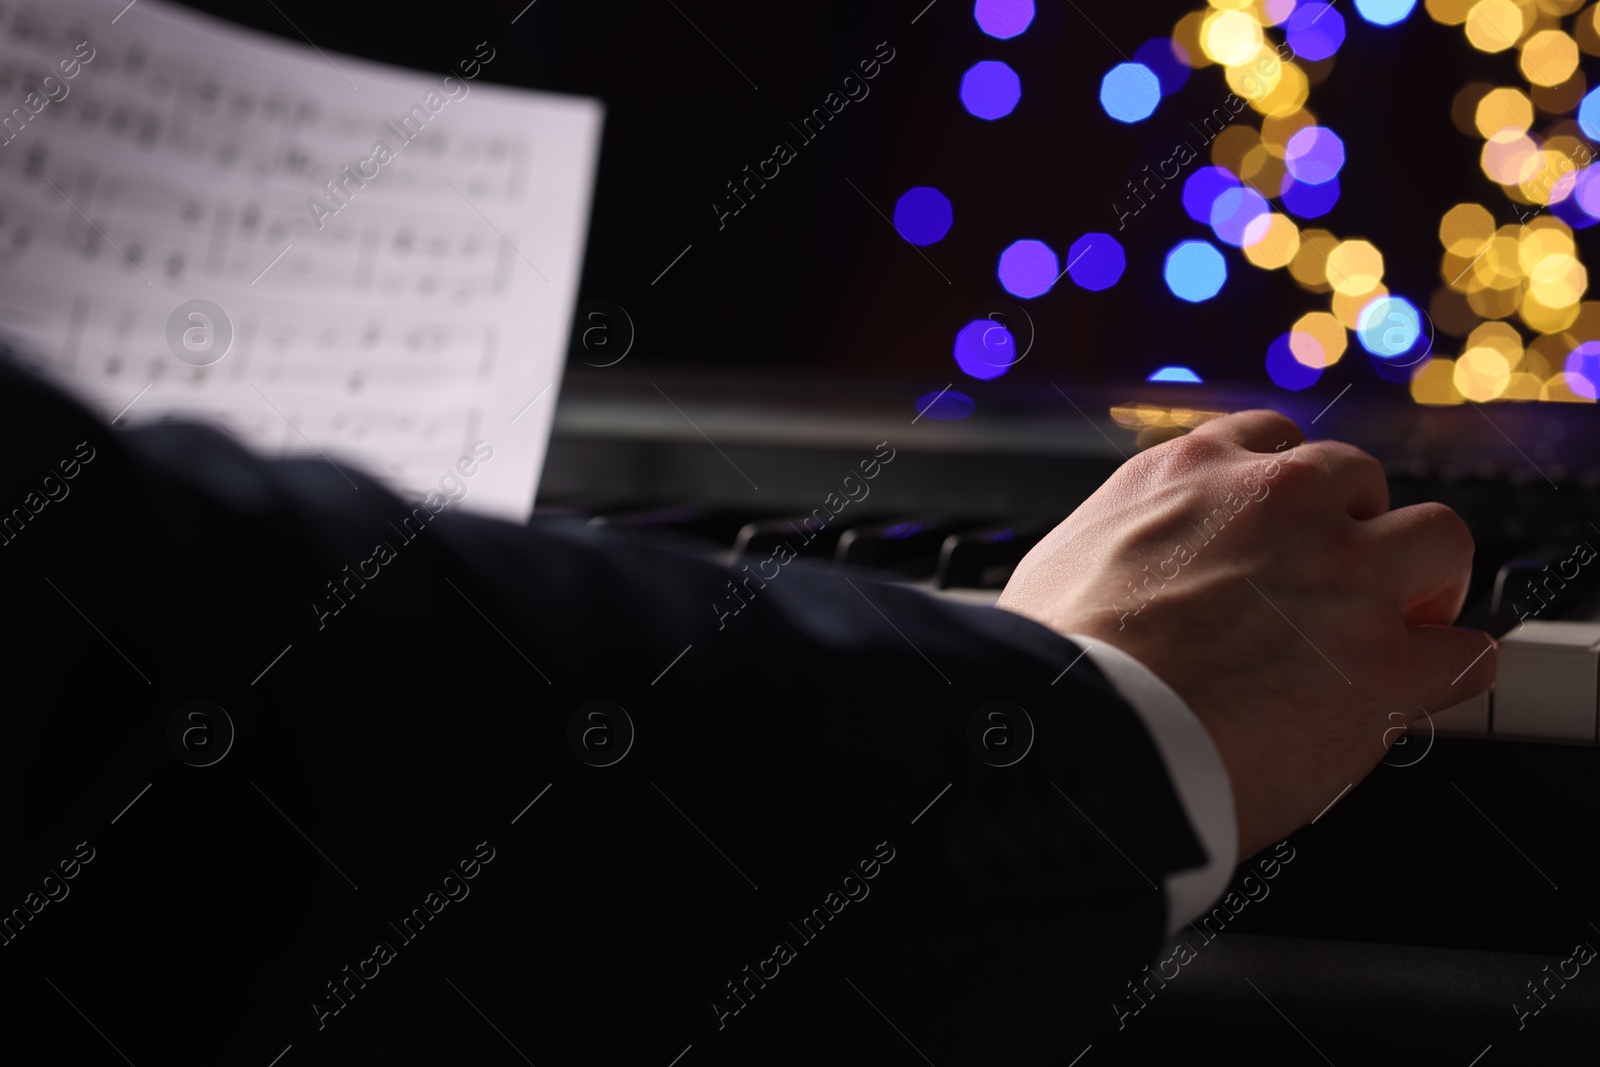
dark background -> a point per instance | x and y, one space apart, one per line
810 275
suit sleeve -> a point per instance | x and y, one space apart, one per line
837 821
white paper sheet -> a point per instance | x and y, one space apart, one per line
424 308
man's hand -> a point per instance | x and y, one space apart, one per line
1266 581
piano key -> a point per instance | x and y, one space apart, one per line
802 533
1550 584
715 523
1549 682
909 545
985 558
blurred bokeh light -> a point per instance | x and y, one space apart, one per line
990 89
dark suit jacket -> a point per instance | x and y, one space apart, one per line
784 848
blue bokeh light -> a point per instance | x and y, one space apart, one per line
1583 369
1385 12
923 215
1096 261
1028 268
1174 374
1195 271
1570 212
1239 217
1309 201
985 349
1201 189
1589 114
1314 155
990 89
1287 372
1389 326
1162 55
1003 18
1130 92
1315 31
1581 208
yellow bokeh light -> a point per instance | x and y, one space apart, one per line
1563 389
1276 130
1347 309
1549 57
1503 109
1434 383
1500 336
1544 236
1355 268
1558 281
1275 244
1551 179
1230 5
1466 229
1229 147
1261 169
1544 318
1230 37
1587 326
1499 266
1256 76
1288 96
1317 339
1482 374
1523 386
1586 28
1310 266
1186 38
1494 25
1510 158
1449 12
1546 353
1559 7
1489 303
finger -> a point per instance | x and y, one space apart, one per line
1357 479
1453 664
1258 430
1427 554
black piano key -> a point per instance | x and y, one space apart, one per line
908 546
763 536
984 558
1555 582
717 524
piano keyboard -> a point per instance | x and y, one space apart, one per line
1549 681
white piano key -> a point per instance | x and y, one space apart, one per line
1549 682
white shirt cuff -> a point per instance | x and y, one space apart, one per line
1197 773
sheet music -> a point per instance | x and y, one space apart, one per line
425 305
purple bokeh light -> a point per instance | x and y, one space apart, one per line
990 89
923 215
985 349
1239 217
1314 155
1201 190
1581 208
1583 369
1028 268
1309 201
1315 31
1096 261
1161 55
1287 372
1003 18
